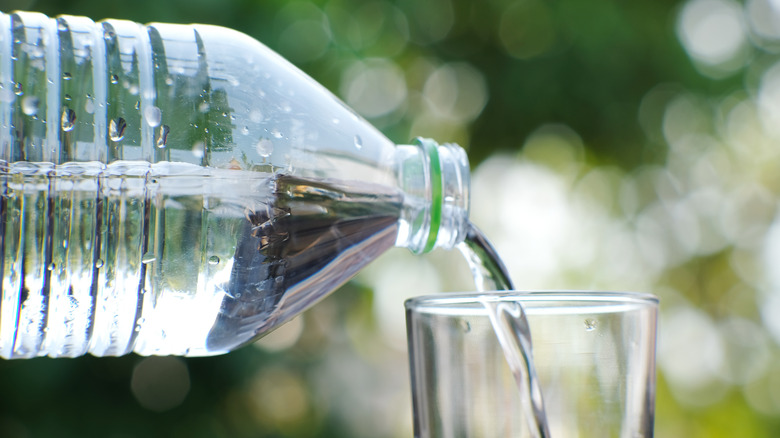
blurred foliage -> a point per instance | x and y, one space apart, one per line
641 135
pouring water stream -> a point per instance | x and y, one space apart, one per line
510 325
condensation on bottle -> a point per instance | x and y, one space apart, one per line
182 189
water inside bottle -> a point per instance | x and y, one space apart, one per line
510 325
173 258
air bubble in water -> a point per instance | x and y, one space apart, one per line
153 116
116 129
213 260
68 119
264 147
358 142
30 105
162 139
148 258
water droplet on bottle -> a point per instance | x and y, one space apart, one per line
30 105
213 260
199 149
245 130
153 116
108 34
116 129
52 266
18 88
67 76
114 79
68 119
465 326
61 26
67 97
358 142
168 80
591 324
137 105
162 138
99 263
264 147
148 258
89 105
276 133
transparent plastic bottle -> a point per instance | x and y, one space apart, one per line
182 189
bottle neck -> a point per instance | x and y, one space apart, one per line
435 181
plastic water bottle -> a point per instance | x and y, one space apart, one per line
172 189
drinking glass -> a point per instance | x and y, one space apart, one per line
593 352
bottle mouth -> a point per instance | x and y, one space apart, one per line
435 182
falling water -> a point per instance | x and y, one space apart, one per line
510 325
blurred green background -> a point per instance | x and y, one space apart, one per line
615 145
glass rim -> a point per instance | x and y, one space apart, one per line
434 303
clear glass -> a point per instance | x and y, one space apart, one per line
594 354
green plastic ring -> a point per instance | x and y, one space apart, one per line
431 149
